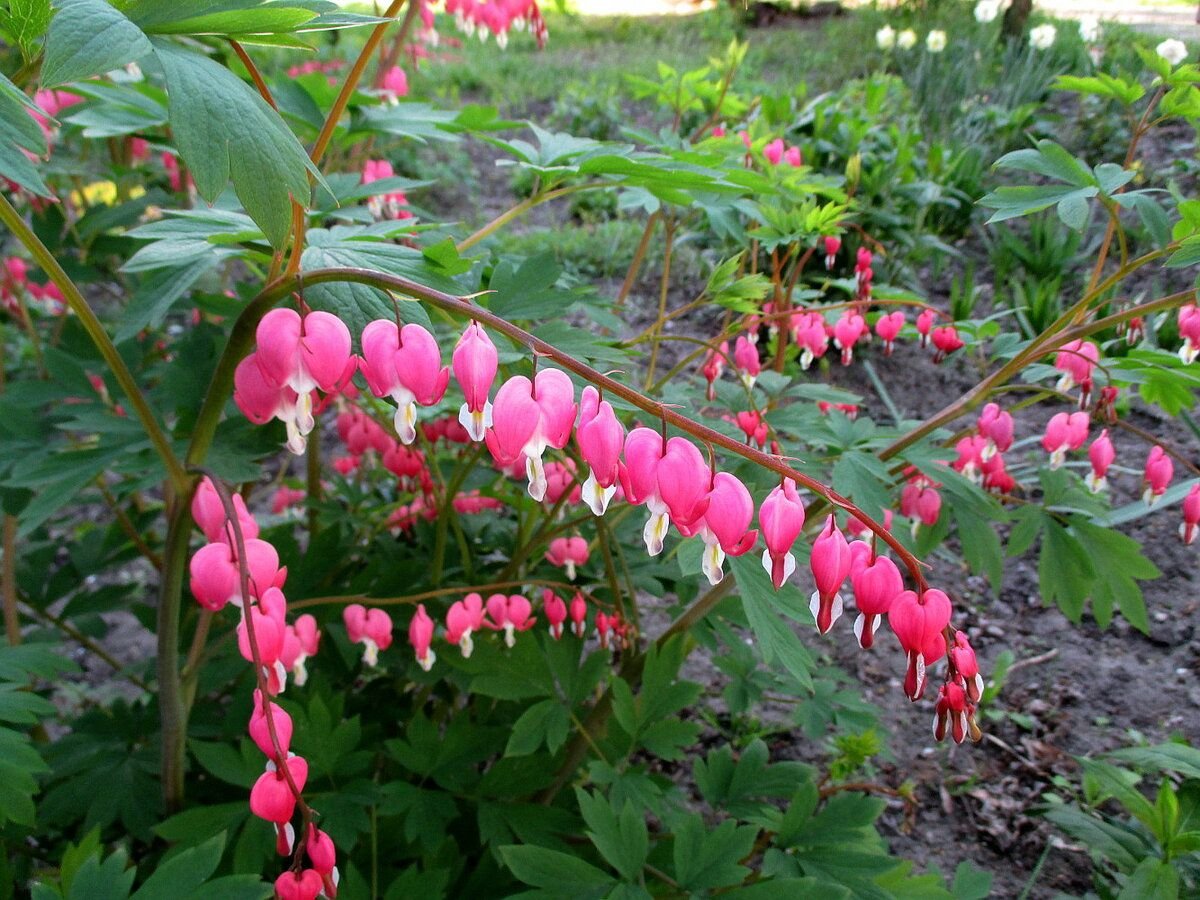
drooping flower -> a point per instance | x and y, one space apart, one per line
713 366
216 580
725 526
1076 360
271 797
1191 515
970 457
833 244
568 553
406 365
394 84
1064 432
793 157
303 354
260 730
847 331
996 426
830 563
1188 317
420 637
919 623
578 613
510 615
601 437
670 477
945 341
888 328
300 642
529 417
780 519
260 401
810 335
773 152
1158 474
1101 455
323 856
876 585
209 513
298 885
921 502
925 324
962 656
556 612
950 712
463 619
745 357
475 363
371 628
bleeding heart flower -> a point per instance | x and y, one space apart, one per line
833 244
475 362
962 657
725 526
781 519
1191 515
810 335
670 477
713 366
420 636
950 715
209 513
578 613
876 586
464 618
600 437
1159 471
925 324
260 731
556 612
323 856
745 357
945 341
271 798
996 426
919 623
568 553
1064 432
509 614
303 885
371 628
830 564
1101 455
773 152
888 327
846 332
406 365
529 417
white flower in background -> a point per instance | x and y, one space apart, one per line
986 11
1172 50
907 39
885 37
936 42
1042 37
1089 29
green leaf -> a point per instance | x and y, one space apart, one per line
1102 85
1010 202
27 21
560 873
227 17
184 872
1048 159
970 882
710 858
102 880
545 722
776 640
1064 570
621 838
89 37
1168 757
20 132
1152 878
223 128
158 293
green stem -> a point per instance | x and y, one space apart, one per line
172 709
523 207
95 330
